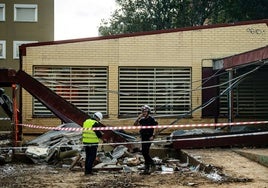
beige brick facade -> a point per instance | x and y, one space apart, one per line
183 48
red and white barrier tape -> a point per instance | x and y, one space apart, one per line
147 127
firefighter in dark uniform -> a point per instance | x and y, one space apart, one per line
147 135
90 139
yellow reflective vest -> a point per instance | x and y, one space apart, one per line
89 136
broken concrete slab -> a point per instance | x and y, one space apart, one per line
37 152
107 167
119 151
55 144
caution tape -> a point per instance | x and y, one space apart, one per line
146 127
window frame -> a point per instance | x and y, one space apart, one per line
26 6
3 44
16 45
3 16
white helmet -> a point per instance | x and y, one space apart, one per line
146 108
98 115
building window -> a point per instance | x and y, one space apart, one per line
84 87
2 49
165 89
25 13
2 12
16 45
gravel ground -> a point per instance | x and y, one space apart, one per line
233 170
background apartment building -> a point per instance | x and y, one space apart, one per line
22 21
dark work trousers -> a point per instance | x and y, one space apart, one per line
145 149
91 152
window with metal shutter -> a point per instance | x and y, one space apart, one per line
25 12
165 89
84 87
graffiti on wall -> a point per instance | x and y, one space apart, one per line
255 31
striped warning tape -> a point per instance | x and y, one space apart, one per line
146 127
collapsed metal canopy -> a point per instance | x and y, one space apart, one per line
246 58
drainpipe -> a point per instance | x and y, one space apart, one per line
230 98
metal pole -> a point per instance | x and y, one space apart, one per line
230 98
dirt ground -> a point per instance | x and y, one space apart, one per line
237 171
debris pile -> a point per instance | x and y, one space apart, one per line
65 149
55 145
5 144
119 159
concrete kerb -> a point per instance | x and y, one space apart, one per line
260 157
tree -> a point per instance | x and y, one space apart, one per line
242 10
147 15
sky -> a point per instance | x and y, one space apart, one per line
80 18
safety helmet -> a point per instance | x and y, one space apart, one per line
98 115
146 108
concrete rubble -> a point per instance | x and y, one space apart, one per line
5 144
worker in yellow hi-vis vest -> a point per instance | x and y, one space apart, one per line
90 139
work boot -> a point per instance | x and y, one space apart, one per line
146 170
153 167
89 174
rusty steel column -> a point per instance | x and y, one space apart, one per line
15 116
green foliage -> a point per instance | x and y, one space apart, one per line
147 15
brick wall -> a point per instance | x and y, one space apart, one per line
191 48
